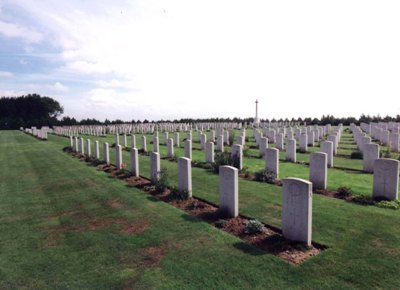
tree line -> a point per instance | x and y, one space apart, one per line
35 110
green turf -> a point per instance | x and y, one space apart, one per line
49 200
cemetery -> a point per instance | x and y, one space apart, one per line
302 206
199 145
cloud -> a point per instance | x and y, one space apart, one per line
11 93
6 74
17 31
23 61
47 88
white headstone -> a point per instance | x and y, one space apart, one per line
188 149
209 152
106 153
118 156
291 150
228 191
319 170
297 210
272 160
135 162
154 166
185 175
327 147
386 179
371 153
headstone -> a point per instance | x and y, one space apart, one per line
88 148
106 153
188 149
209 152
76 144
133 141
319 170
371 153
82 146
228 191
395 142
144 143
272 160
263 146
386 179
71 142
154 166
125 141
96 150
135 162
165 139
156 146
237 154
170 147
118 156
116 139
290 150
297 210
303 143
185 175
176 139
327 147
220 143
279 141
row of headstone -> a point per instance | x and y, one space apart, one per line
386 134
38 133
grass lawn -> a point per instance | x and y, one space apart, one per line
66 225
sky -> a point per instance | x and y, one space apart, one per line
195 59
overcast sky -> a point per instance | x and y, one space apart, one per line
177 59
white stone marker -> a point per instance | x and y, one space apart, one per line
310 137
279 141
333 139
71 142
156 146
76 144
96 150
263 146
203 141
89 148
209 153
371 153
106 153
154 166
125 141
135 162
386 179
165 139
185 175
116 139
176 139
303 143
319 170
82 146
237 153
118 156
220 143
272 160
170 147
327 147
188 149
290 150
228 191
395 142
297 210
144 143
133 141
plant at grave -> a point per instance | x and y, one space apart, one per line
232 136
253 227
356 155
112 145
363 200
391 204
125 172
67 149
247 139
207 166
220 223
223 158
162 183
265 176
387 153
344 192
245 171
179 194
